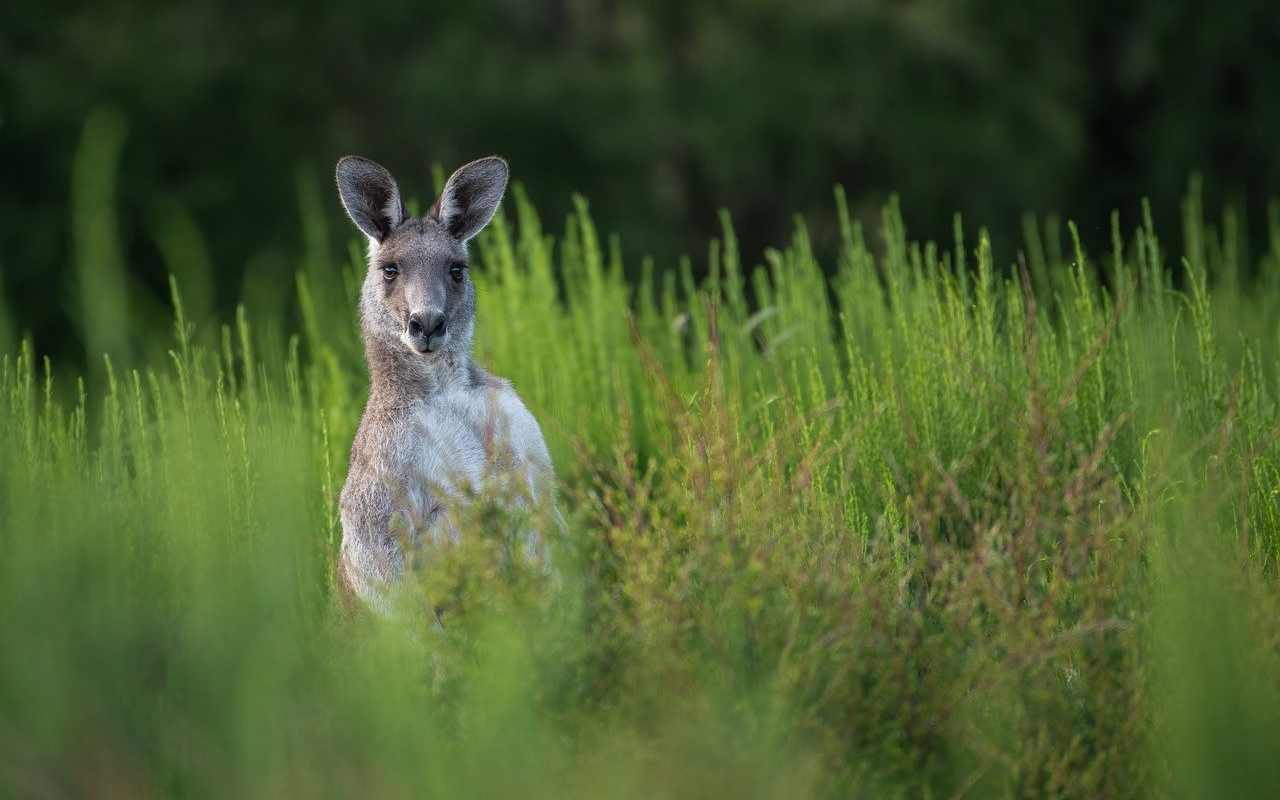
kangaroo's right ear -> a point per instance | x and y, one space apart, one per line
370 196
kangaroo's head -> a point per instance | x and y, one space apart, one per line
418 292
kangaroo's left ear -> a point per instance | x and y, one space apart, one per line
471 197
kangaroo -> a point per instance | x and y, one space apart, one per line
436 426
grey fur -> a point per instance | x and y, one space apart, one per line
436 426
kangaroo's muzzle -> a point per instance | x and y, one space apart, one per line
426 330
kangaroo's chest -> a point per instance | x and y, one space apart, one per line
446 448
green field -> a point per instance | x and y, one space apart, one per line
918 522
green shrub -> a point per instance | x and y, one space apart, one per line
927 529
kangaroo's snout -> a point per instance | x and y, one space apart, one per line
426 330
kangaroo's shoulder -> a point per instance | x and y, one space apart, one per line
479 379
380 427
514 420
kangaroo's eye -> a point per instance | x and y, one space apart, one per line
390 271
457 271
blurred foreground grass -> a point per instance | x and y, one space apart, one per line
931 528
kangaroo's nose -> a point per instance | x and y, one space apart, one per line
426 330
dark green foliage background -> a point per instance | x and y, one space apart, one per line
659 112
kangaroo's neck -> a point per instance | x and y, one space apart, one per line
398 376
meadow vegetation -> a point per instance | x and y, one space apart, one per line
918 524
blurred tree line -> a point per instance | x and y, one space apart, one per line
659 112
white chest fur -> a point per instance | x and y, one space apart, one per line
448 448
463 442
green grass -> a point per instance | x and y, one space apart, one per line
932 527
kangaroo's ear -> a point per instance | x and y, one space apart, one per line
370 196
471 197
